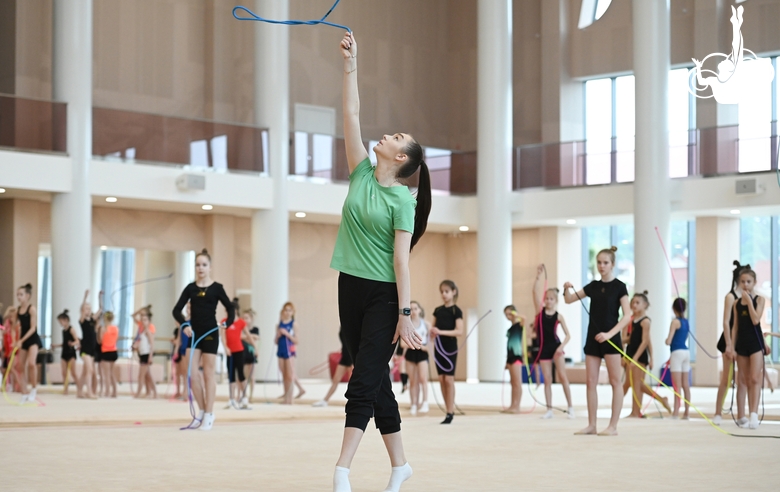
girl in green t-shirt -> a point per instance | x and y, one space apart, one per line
381 222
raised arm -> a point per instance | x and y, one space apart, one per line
757 311
353 140
81 315
404 328
570 295
538 290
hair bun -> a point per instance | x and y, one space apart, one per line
613 248
644 292
736 263
28 285
204 251
65 312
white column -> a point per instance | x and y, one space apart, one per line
71 213
717 246
494 178
651 183
270 228
185 271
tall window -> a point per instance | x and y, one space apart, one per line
757 120
117 281
610 127
756 250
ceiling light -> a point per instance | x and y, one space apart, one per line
207 207
463 228
111 199
300 215
571 221
2 190
103 248
735 212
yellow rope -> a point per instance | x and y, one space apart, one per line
667 387
5 378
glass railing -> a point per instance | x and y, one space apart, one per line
32 124
157 139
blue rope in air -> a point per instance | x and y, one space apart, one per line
313 22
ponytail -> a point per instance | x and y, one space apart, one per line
414 154
423 209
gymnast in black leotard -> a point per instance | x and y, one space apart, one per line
204 294
29 342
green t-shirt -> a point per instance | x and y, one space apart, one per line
369 218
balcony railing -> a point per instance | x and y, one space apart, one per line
201 144
32 124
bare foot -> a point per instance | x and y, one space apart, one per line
587 431
511 410
665 403
609 431
303 392
634 416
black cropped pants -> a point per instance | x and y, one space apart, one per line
368 310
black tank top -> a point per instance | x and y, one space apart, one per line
24 321
88 336
746 328
549 323
636 338
67 337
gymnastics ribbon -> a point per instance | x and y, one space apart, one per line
313 22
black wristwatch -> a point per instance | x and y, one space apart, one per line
405 312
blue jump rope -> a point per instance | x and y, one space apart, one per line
254 17
193 343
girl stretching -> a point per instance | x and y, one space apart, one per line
749 344
607 297
345 364
726 347
108 336
550 346
203 295
640 350
70 343
29 342
447 326
285 341
379 226
680 359
417 362
514 357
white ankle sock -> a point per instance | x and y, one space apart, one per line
399 475
341 480
208 422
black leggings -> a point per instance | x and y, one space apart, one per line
235 365
369 314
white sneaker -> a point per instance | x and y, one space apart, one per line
208 422
321 403
244 403
413 410
33 395
717 420
24 399
570 413
424 408
229 405
743 422
548 415
753 424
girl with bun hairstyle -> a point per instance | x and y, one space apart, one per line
550 346
640 349
107 337
70 344
607 297
29 342
726 347
88 345
203 295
